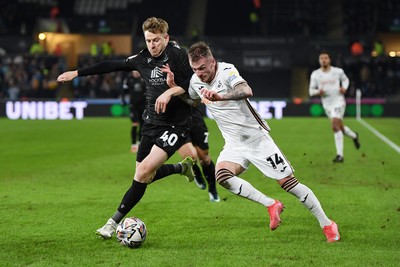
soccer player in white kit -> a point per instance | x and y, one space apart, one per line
247 140
331 84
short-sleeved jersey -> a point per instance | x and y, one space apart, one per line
150 69
329 81
237 120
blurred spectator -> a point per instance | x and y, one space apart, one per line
36 48
356 49
107 49
254 22
94 49
378 48
13 90
58 50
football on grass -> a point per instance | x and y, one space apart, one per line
131 232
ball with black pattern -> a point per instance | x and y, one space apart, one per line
131 232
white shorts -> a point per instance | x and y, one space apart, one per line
335 111
263 153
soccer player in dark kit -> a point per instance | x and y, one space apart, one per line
166 116
134 87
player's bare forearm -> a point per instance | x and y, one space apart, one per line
240 91
190 101
176 91
163 100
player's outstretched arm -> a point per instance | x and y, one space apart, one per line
67 76
99 68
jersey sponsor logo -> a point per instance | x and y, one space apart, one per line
232 76
156 77
156 73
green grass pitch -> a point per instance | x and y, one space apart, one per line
61 180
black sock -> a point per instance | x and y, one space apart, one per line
134 134
197 171
130 199
209 173
167 169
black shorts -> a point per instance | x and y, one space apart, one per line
168 138
199 135
135 113
198 130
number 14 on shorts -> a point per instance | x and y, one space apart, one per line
275 160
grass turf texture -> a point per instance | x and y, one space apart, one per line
61 180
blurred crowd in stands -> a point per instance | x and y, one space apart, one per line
33 74
30 76
377 76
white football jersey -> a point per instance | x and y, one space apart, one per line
330 82
237 120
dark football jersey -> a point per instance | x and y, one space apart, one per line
177 111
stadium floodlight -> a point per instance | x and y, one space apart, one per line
42 36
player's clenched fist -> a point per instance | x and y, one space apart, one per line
67 76
210 95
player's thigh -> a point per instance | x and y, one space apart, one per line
232 154
266 156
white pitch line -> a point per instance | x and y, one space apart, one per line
381 136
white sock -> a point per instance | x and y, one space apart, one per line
308 199
339 143
242 188
349 133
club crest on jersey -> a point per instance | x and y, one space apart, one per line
219 85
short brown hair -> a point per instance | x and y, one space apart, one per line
325 52
155 25
199 50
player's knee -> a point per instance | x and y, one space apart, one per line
222 176
336 125
144 174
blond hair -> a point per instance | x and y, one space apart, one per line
155 25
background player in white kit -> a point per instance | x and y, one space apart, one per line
247 140
331 84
